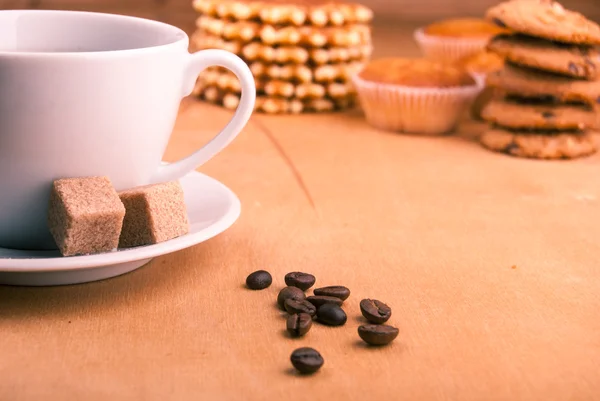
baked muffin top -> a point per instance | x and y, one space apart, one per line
481 62
420 73
464 28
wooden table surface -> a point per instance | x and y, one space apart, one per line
489 264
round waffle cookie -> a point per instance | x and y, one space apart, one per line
273 104
227 81
246 31
304 73
540 145
256 51
287 12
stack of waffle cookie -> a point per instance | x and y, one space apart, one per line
546 97
302 53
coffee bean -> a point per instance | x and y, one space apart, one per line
289 293
299 324
307 360
377 334
336 291
259 280
499 22
547 114
331 315
293 306
573 68
375 311
301 280
318 300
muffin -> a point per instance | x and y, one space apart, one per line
453 39
417 96
481 64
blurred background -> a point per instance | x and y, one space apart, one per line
180 12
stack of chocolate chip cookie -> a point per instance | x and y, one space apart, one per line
547 95
302 53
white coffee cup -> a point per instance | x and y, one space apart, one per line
88 94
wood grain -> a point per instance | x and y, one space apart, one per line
489 264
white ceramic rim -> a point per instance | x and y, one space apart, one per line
41 265
178 33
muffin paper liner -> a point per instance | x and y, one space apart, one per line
480 78
448 49
425 111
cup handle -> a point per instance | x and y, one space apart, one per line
198 62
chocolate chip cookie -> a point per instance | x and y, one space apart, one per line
530 83
514 114
578 61
538 145
545 19
483 98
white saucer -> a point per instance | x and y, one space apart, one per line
212 208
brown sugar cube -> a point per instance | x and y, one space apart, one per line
154 213
85 215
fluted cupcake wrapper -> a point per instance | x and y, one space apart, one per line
425 111
480 78
448 49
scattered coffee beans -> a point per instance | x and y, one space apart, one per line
299 324
331 315
377 334
318 300
336 291
289 293
325 304
307 360
259 280
375 311
301 280
292 307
